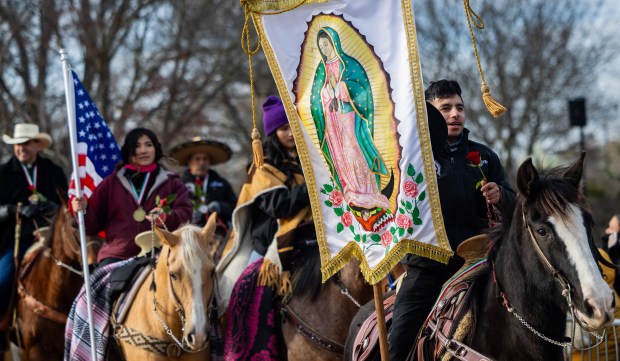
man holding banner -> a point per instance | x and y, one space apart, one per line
471 186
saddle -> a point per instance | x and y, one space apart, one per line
368 335
450 321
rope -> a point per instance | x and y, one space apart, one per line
246 44
494 107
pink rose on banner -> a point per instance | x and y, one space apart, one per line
386 239
411 188
336 198
346 219
403 221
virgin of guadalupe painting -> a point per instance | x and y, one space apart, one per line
342 106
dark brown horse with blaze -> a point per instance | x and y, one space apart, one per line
49 278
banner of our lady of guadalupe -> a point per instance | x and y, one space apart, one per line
349 76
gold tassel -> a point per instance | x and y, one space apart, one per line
257 149
494 107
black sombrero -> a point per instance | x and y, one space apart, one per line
218 152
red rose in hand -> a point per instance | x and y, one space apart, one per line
346 219
199 181
386 239
336 198
31 188
411 189
403 221
474 158
163 202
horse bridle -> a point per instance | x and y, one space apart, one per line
566 293
308 331
180 311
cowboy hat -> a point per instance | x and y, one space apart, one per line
24 132
217 152
145 240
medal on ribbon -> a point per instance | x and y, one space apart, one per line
139 214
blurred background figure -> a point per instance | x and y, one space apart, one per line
209 192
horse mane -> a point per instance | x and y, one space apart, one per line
189 247
553 195
307 272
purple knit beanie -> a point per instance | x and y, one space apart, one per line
274 115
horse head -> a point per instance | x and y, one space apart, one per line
189 268
559 226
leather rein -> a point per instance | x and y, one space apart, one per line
566 293
31 302
302 327
153 344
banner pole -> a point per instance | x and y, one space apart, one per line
70 100
383 341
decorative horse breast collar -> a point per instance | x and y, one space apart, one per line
450 322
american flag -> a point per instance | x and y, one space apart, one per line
96 147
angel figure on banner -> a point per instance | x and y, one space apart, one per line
343 111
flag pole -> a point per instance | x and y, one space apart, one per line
70 100
381 327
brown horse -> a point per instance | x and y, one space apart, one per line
317 319
178 326
49 278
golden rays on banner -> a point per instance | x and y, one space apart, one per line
354 98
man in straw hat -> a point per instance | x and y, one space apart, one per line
30 186
209 192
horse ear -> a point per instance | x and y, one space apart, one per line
166 237
209 228
527 178
574 171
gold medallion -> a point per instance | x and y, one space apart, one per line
34 198
139 214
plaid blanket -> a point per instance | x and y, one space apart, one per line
77 333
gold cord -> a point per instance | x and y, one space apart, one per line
494 107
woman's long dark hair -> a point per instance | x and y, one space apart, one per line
131 142
279 157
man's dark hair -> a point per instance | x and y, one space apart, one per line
442 89
131 142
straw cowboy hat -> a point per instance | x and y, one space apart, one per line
145 240
217 152
24 132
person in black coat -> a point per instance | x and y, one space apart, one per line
34 182
465 195
209 192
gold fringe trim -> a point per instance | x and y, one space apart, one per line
271 7
286 287
377 274
257 149
494 107
270 276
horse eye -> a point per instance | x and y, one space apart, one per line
542 232
173 276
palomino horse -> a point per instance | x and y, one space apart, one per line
172 307
49 279
541 265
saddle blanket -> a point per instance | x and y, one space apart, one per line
77 333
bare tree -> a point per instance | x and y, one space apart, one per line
176 67
535 54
